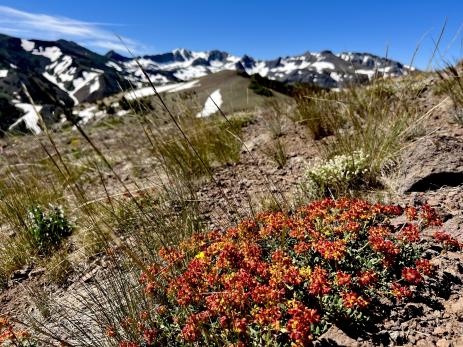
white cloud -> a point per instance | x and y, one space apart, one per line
46 27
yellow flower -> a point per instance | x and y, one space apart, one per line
306 272
200 255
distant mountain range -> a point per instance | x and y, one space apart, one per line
61 74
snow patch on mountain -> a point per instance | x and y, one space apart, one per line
184 86
3 73
159 79
259 68
211 105
114 66
61 72
27 45
86 114
320 66
122 113
30 118
52 53
369 73
87 77
95 86
336 76
191 72
170 88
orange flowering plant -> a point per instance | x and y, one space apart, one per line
283 277
10 336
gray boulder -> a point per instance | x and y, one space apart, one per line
432 163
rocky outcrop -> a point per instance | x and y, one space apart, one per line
431 164
336 337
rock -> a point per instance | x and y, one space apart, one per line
431 164
443 343
336 337
454 226
37 272
20 275
440 330
454 307
397 337
412 340
458 342
413 310
256 142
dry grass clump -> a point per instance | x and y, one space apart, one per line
210 142
451 84
376 121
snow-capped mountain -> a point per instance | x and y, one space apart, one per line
324 69
61 74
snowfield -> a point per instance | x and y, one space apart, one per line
170 88
52 53
27 45
209 107
30 118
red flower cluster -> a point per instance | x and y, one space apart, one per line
319 284
281 275
352 299
300 324
399 291
429 215
9 336
447 240
411 276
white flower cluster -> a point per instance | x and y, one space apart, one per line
336 174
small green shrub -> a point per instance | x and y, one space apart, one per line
338 176
48 227
259 89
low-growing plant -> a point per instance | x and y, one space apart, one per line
264 86
19 191
48 227
11 336
342 175
281 279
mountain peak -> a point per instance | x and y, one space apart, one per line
63 72
113 55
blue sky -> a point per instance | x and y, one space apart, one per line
261 28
